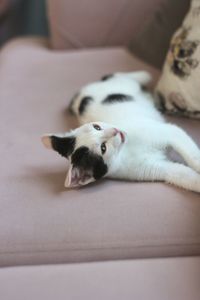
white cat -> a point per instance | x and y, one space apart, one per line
124 136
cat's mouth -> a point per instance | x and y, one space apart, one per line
122 135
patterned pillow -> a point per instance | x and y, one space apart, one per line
178 90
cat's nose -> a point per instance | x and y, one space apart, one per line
113 132
109 133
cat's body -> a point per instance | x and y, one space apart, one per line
132 132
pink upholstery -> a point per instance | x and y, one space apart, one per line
40 221
145 26
151 279
94 23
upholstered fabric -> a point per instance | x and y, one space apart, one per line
139 24
8 10
152 41
41 221
152 279
94 23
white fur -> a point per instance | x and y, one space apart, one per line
142 156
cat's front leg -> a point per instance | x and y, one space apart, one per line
169 135
181 176
185 146
169 172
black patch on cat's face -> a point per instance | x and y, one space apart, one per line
107 77
84 159
64 146
84 103
117 98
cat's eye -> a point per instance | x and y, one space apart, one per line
103 148
96 126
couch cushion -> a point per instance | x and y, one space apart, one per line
94 23
152 41
143 25
174 278
41 221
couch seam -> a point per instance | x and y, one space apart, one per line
191 240
98 248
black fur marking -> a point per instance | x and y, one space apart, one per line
63 145
117 98
70 108
84 159
107 77
145 88
84 103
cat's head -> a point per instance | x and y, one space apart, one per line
92 150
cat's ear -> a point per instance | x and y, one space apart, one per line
61 143
77 177
143 77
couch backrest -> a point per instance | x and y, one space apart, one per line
100 23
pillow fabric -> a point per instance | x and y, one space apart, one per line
178 90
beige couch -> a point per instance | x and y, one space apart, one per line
43 223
